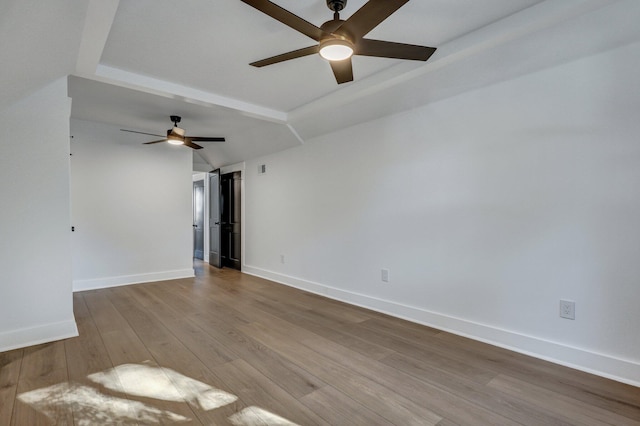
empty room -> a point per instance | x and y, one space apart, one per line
320 212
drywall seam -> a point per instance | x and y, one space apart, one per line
106 282
609 366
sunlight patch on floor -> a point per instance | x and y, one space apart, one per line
256 416
92 406
162 383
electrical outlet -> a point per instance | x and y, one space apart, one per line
384 275
282 258
568 309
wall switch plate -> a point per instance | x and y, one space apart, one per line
384 275
568 309
282 258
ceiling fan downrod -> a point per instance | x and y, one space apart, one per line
336 6
175 119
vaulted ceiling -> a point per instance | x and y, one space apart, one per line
135 62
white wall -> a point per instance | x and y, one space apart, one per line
131 208
35 245
488 208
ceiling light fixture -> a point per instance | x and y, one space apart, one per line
336 49
176 136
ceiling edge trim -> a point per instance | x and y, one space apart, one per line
130 80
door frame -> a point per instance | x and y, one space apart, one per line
240 167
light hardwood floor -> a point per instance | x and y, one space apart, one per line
228 348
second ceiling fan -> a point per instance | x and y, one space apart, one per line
176 136
338 40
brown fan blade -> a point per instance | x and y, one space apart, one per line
343 70
187 142
204 139
387 49
161 140
142 133
369 16
287 18
287 56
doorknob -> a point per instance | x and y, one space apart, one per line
217 223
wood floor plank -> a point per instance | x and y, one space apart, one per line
561 405
400 328
447 422
105 316
335 406
43 367
86 354
10 363
432 362
332 330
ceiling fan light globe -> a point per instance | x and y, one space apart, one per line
175 140
336 50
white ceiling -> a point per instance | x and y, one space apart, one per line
138 61
216 40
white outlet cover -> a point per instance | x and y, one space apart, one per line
568 309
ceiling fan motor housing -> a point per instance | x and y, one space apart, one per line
336 5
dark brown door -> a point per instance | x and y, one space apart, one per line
230 219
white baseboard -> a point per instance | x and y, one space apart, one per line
37 335
615 368
97 283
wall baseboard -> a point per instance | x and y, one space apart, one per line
37 335
97 283
611 367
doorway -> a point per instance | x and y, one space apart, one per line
198 219
230 217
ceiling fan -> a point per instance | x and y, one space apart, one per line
176 136
338 40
